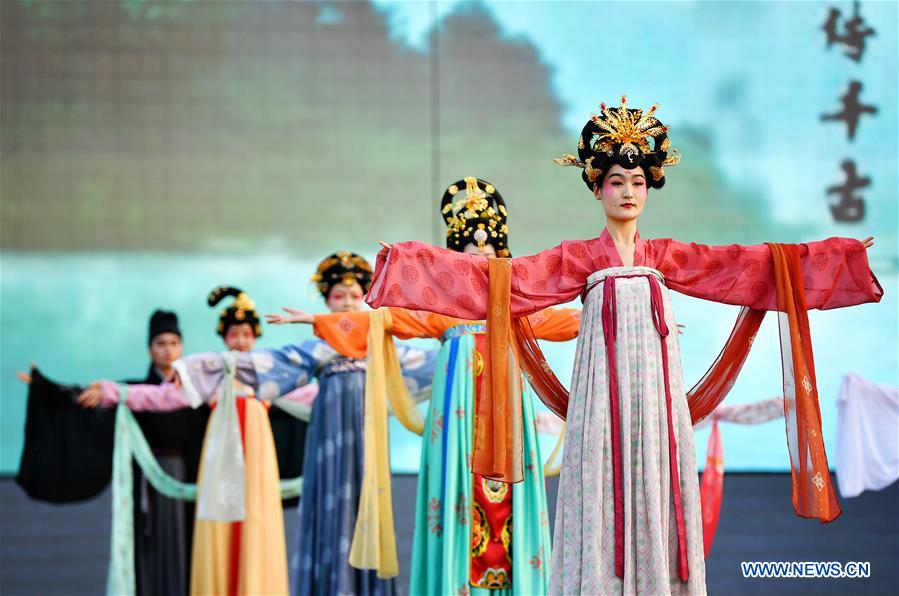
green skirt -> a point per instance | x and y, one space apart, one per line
442 549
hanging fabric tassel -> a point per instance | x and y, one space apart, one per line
711 488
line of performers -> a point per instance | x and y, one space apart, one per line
628 516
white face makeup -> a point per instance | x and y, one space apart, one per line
240 338
345 298
623 193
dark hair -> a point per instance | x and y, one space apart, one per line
242 310
342 267
163 321
600 155
482 212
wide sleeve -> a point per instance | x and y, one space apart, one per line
408 324
298 403
166 397
270 372
418 368
277 372
835 272
304 395
418 276
201 375
556 324
348 332
67 453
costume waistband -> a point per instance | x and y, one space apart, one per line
463 329
598 277
343 365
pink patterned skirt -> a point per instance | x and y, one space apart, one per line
628 516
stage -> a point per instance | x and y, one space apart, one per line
50 550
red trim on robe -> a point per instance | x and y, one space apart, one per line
491 515
610 332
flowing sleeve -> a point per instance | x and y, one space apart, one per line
270 372
67 454
418 276
304 395
421 324
277 372
348 332
418 369
835 272
298 403
146 398
202 375
556 324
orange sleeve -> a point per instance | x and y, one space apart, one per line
556 324
418 323
347 332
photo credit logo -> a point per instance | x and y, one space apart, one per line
805 569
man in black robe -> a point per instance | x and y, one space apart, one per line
163 527
68 457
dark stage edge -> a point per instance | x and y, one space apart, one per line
49 549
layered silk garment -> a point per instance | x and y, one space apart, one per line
466 536
628 517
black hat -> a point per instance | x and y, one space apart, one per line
242 310
477 218
342 267
622 136
163 321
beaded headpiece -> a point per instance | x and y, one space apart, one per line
478 217
242 310
342 267
627 137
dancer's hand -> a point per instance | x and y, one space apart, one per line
90 397
294 316
26 377
868 242
385 245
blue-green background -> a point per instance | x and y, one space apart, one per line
152 150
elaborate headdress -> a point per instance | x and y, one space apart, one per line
163 321
479 217
242 310
627 137
343 267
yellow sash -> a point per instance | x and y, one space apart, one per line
374 539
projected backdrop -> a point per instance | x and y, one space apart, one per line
152 150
